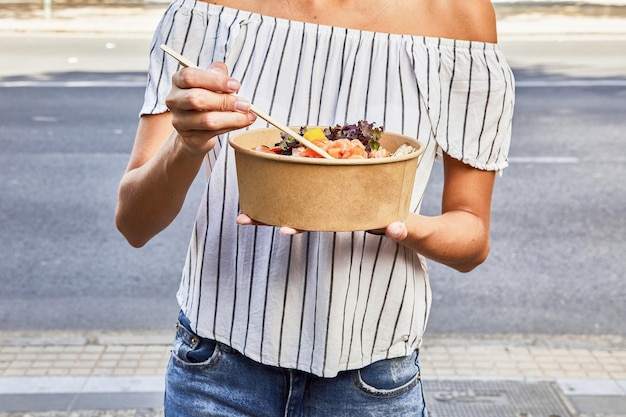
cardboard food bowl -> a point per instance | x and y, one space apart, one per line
317 194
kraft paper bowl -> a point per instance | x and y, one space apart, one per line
317 194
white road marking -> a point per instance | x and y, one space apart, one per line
71 385
570 83
544 159
141 83
71 84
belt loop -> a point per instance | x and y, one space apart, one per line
189 337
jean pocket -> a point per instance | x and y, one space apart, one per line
192 351
390 377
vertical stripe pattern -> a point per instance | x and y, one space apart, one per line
325 302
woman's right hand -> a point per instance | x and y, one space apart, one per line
245 220
164 162
203 105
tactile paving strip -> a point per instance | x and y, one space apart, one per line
494 399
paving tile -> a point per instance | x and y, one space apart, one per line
103 371
158 348
506 372
88 356
67 356
570 366
63 364
115 348
128 364
151 364
550 365
427 346
20 364
562 358
27 349
13 372
80 371
42 364
58 372
25 356
532 373
136 348
133 355
445 372
618 376
47 356
73 349
123 371
36 372
94 348
154 356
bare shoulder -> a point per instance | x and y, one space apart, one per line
455 19
473 20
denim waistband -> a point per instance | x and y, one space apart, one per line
183 330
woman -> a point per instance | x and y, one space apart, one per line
277 322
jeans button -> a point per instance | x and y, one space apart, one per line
194 342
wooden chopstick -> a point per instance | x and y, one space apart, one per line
187 63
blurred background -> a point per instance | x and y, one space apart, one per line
71 84
86 320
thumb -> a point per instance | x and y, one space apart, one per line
397 231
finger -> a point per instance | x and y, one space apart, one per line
397 231
218 67
210 122
214 79
288 231
200 99
245 220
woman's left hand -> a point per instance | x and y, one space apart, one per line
245 220
459 236
396 231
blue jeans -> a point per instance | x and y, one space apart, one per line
208 378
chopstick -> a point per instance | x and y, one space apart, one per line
187 63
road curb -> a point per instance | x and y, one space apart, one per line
85 338
156 337
141 18
556 341
136 353
143 395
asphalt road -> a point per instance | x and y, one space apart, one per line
68 111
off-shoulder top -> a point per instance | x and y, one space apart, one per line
325 302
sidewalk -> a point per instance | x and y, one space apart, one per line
83 374
139 18
120 374
128 18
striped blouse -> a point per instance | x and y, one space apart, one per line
325 302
